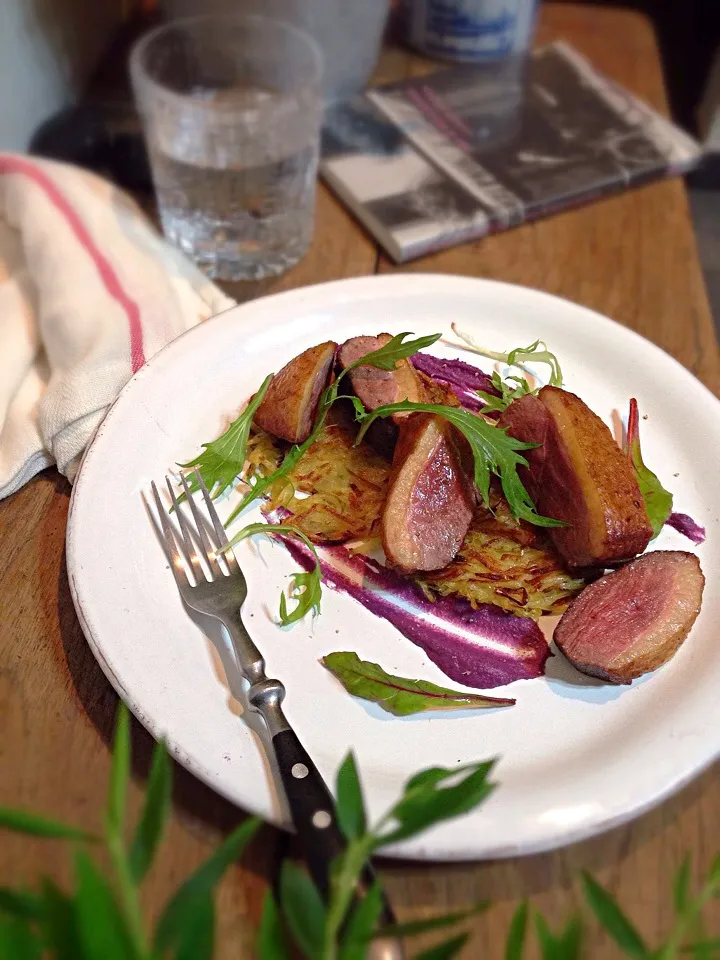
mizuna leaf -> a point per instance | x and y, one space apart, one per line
658 501
401 695
306 587
223 459
387 356
536 352
494 451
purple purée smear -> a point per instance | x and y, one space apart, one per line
686 526
462 378
482 647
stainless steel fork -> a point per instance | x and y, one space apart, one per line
202 549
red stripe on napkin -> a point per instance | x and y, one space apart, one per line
13 164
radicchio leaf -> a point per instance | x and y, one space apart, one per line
480 647
400 695
462 378
686 526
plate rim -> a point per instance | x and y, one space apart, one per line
418 852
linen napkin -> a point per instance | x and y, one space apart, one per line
88 292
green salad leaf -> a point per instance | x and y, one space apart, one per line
536 352
306 587
506 392
493 451
658 500
223 459
513 386
400 695
385 357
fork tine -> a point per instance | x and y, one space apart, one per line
222 536
200 521
208 547
186 536
176 564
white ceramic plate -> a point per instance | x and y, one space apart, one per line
575 756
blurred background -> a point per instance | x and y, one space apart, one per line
64 89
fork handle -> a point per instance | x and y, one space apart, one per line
311 806
313 812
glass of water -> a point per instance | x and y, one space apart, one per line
231 107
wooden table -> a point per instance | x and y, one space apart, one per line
632 257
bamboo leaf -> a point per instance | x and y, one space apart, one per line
170 926
119 772
20 903
59 923
562 946
360 925
195 939
101 929
515 943
271 943
607 911
303 909
445 950
154 812
401 695
18 941
681 883
414 927
20 821
349 800
434 795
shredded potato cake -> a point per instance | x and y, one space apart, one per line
506 562
336 492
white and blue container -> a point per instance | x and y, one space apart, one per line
470 31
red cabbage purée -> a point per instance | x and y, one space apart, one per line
462 378
686 526
482 647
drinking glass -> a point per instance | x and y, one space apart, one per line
231 108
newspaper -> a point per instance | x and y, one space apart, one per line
433 161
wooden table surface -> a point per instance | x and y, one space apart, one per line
632 257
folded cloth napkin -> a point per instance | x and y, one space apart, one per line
88 292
